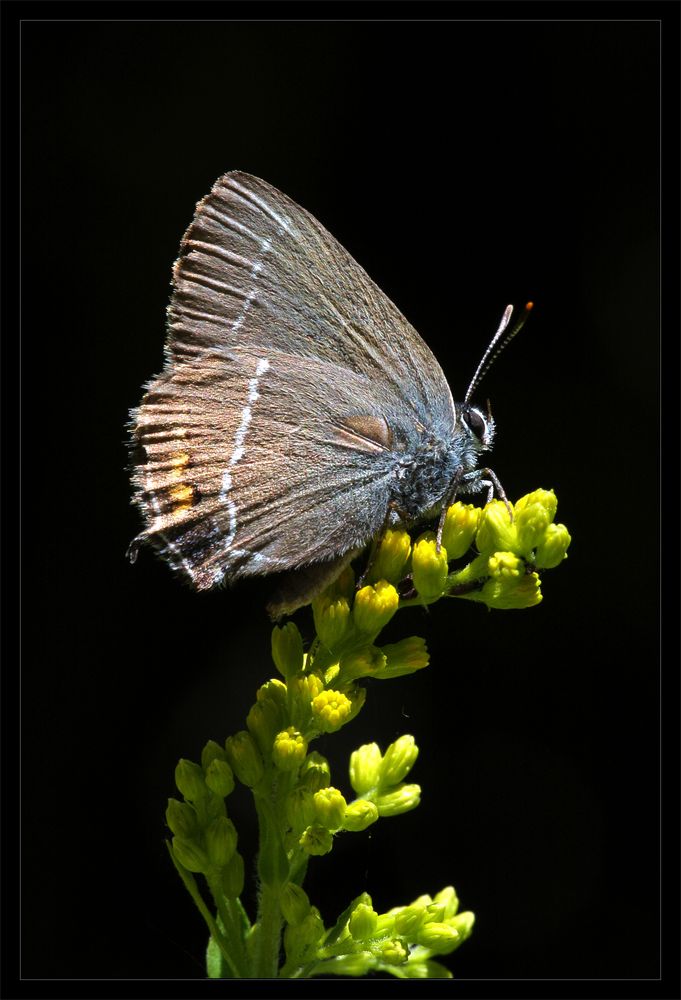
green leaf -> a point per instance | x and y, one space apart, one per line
216 966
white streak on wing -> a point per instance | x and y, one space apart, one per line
248 195
238 451
255 270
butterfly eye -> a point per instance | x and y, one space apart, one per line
475 421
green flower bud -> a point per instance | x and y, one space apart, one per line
190 781
553 548
398 760
211 751
394 952
330 808
294 903
392 558
287 649
232 877
365 662
365 768
302 937
214 806
497 532
398 800
190 855
409 920
403 657
363 922
289 750
428 566
463 923
359 815
300 808
265 719
331 618
449 898
182 820
245 759
331 710
438 937
315 772
220 839
374 606
354 965
219 777
316 840
461 524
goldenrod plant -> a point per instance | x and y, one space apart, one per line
499 552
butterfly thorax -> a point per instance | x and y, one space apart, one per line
425 475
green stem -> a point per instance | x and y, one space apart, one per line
269 939
215 932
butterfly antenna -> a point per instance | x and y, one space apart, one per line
497 344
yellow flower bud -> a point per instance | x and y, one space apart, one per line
496 531
359 815
533 514
289 749
506 593
428 566
374 607
331 710
505 566
392 558
287 649
330 808
331 615
394 952
553 548
461 524
398 800
365 768
398 760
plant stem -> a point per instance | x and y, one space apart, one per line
269 940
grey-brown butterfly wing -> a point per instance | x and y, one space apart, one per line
256 269
242 464
291 386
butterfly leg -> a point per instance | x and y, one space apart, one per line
450 497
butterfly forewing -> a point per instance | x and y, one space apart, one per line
256 269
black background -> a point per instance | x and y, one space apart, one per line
465 164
